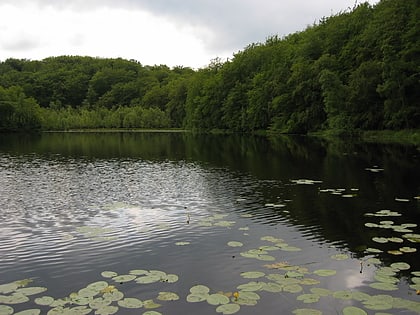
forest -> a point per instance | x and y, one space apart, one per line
353 71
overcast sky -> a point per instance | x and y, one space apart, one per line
172 32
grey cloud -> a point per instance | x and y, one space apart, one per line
19 44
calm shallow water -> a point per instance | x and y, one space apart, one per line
75 205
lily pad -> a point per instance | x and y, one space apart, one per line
196 297
394 252
130 303
252 274
44 300
235 244
227 309
321 291
352 310
151 278
380 239
97 286
340 256
343 295
6 310
124 278
99 303
152 313
400 266
199 289
383 286
109 274
272 287
251 286
325 272
217 299
292 288
408 249
31 290
149 304
182 243
308 298
168 296
15 298
395 239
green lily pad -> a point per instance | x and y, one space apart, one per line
170 278
6 310
43 300
408 249
272 287
31 290
114 295
99 303
88 292
383 286
376 304
416 273
151 278
227 309
130 303
168 296
373 250
385 278
360 296
352 310
8 287
308 298
394 252
325 272
149 304
109 274
292 288
138 272
235 244
321 291
199 289
415 280
107 310
400 266
309 281
251 286
291 249
217 299
197 297
371 225
15 298
182 243
124 278
395 239
252 274
343 295
306 311
97 286
152 313
380 239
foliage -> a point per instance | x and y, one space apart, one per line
356 70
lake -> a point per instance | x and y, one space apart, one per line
178 223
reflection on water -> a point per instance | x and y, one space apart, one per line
74 205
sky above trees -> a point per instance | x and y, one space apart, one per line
171 32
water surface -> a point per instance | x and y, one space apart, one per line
73 205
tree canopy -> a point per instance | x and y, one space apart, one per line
356 70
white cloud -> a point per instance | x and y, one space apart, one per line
172 32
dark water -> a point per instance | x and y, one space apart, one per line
75 205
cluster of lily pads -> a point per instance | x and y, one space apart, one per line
99 297
216 220
401 228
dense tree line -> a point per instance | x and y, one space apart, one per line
356 70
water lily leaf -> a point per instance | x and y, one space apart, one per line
43 300
388 271
149 304
107 310
130 303
269 248
291 249
97 286
182 243
395 239
394 252
383 286
352 310
109 274
272 287
343 295
292 288
168 296
408 249
385 278
400 266
308 298
8 287
6 310
251 286
197 297
124 278
151 278
31 290
380 239
371 225
15 298
375 304
217 299
227 309
415 280
360 296
340 256
171 278
138 272
321 291
88 292
293 274
325 272
265 258
373 250
306 311
152 313
32 311
309 281
99 303
248 295
416 273
114 295
235 244
199 289
252 274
